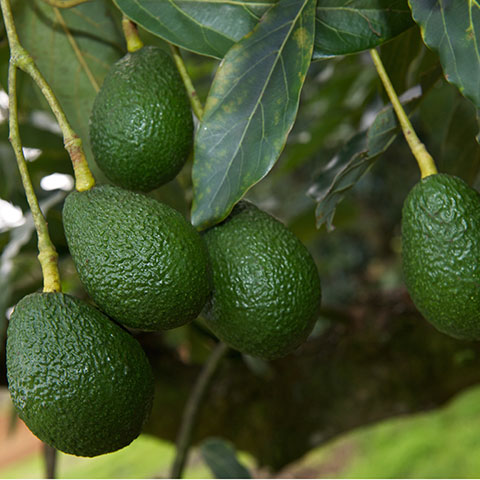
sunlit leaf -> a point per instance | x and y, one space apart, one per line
250 109
452 29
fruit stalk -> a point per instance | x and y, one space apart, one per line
65 3
50 458
130 33
424 159
187 81
47 254
21 59
192 407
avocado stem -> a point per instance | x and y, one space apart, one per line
130 32
47 254
65 3
424 159
192 407
187 81
20 58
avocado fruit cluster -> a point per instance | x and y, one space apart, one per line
441 253
77 377
266 286
141 127
79 381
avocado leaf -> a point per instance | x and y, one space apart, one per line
250 109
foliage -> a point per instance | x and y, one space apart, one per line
331 135
222 460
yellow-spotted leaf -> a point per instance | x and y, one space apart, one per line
251 108
212 27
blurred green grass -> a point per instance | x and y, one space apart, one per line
444 443
146 457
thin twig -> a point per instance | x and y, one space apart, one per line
50 457
187 81
47 255
21 59
65 3
192 407
76 50
423 158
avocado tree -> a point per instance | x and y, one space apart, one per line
323 113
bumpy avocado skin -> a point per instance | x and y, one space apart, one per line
441 253
80 382
266 286
140 260
141 126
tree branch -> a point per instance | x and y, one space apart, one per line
192 407
21 59
187 81
47 255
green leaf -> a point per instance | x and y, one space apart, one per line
350 26
352 162
212 27
222 460
250 109
452 29
207 27
73 76
451 123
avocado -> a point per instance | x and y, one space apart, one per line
141 262
80 382
141 126
266 293
441 253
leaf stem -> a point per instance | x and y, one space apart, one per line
130 32
424 159
189 416
47 255
65 3
187 81
21 59
76 50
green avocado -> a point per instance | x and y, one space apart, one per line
266 293
441 253
141 126
80 382
140 260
